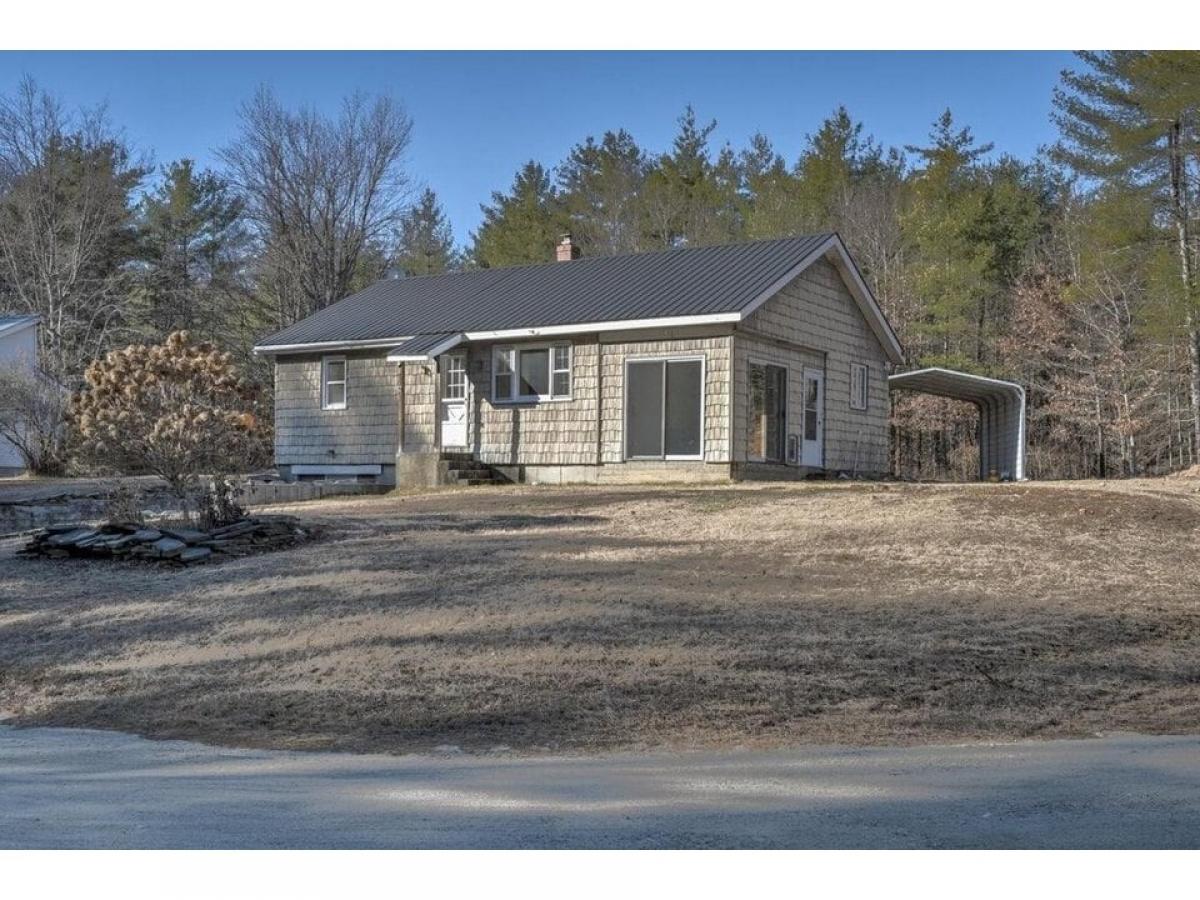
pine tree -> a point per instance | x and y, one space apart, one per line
426 244
1131 120
771 191
600 185
950 264
521 227
689 200
194 249
836 158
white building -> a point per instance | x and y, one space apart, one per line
18 344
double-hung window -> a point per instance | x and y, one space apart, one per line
858 385
333 382
532 373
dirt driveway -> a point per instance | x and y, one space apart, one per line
572 620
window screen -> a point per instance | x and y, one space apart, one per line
663 414
644 409
683 413
535 373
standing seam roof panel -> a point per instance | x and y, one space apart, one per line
686 282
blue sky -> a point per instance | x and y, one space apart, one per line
478 116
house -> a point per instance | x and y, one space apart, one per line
18 347
767 359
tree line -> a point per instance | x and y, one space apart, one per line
1073 272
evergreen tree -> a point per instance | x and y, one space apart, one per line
950 264
837 156
521 227
600 186
771 192
1131 120
67 226
426 243
689 201
194 251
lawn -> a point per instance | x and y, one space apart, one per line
578 619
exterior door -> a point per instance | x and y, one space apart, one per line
813 436
454 400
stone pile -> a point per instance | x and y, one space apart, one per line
184 546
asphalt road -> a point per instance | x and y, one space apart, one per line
75 788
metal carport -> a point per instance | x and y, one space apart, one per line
1001 407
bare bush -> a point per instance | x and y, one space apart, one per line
33 410
177 410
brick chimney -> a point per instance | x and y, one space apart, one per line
566 250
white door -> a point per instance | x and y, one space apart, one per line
454 400
813 436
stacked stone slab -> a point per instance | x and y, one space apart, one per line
182 546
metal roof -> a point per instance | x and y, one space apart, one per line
1001 413
680 283
425 347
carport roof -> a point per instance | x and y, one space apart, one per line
1001 413
957 385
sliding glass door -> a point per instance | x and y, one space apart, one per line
664 408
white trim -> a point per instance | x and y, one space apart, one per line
444 377
20 325
664 359
865 382
429 355
344 381
787 387
515 398
854 281
337 470
833 245
589 327
331 345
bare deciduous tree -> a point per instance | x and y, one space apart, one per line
33 410
66 224
322 192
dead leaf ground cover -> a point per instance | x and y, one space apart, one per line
578 619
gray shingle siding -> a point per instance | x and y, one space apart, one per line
820 326
365 433
812 322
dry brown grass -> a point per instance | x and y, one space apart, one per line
596 618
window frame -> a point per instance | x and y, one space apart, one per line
344 381
786 420
665 360
444 387
513 354
865 376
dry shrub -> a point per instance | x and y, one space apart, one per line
177 410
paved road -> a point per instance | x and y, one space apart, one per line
74 788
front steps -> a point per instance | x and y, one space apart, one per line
465 470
